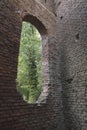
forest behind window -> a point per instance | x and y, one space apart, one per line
29 82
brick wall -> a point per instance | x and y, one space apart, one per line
72 37
49 4
62 103
15 114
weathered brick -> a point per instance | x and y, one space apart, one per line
63 27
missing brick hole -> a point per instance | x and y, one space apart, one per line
77 36
69 80
59 3
61 17
45 1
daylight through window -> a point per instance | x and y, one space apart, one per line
29 82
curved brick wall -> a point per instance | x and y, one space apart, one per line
62 104
72 47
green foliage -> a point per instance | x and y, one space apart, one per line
29 64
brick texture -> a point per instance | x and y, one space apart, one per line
72 47
63 27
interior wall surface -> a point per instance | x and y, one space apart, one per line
15 114
72 47
63 27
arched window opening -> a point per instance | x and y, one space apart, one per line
29 82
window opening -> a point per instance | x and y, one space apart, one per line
29 82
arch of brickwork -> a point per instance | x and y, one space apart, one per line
15 114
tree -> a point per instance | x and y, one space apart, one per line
29 65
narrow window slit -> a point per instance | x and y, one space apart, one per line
29 82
